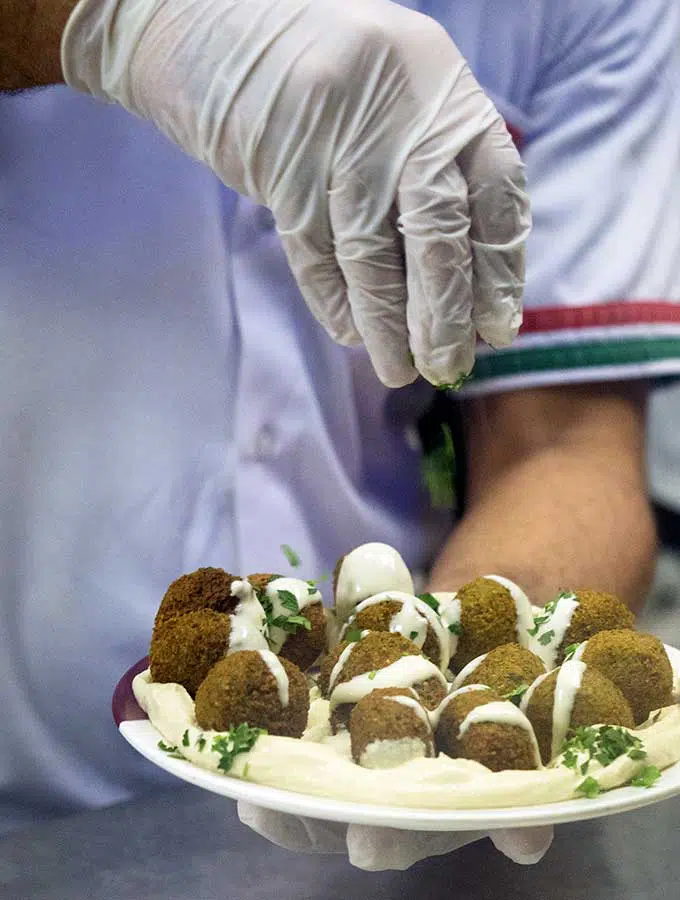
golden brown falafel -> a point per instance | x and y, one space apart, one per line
387 730
488 619
596 702
596 611
376 651
326 666
506 669
184 648
496 745
380 616
304 646
206 588
242 688
637 664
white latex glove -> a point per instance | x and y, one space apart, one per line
378 849
395 186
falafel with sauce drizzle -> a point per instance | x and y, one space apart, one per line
389 727
573 617
493 611
572 696
476 723
254 687
297 606
406 614
378 660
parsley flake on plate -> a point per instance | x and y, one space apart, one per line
646 777
171 751
237 740
589 788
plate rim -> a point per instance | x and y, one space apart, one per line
135 730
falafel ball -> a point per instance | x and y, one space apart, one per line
573 696
490 616
404 614
296 619
206 588
375 661
637 664
499 737
505 669
593 611
184 649
255 687
389 727
304 646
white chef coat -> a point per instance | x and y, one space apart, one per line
166 400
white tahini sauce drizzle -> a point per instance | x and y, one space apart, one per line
525 617
247 620
449 613
528 694
405 672
568 682
436 714
413 704
368 570
467 670
558 623
304 595
501 712
273 663
578 653
340 665
411 619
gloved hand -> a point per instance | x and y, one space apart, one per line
378 849
395 186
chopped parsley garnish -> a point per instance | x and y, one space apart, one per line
288 623
438 468
546 637
246 769
352 636
200 743
646 777
589 788
431 601
571 650
371 675
185 738
291 555
602 743
456 628
289 601
171 751
516 694
236 740
413 635
543 617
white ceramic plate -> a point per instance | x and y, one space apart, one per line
141 734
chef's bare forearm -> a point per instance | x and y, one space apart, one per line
30 39
557 494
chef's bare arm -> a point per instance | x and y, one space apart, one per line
30 38
556 493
